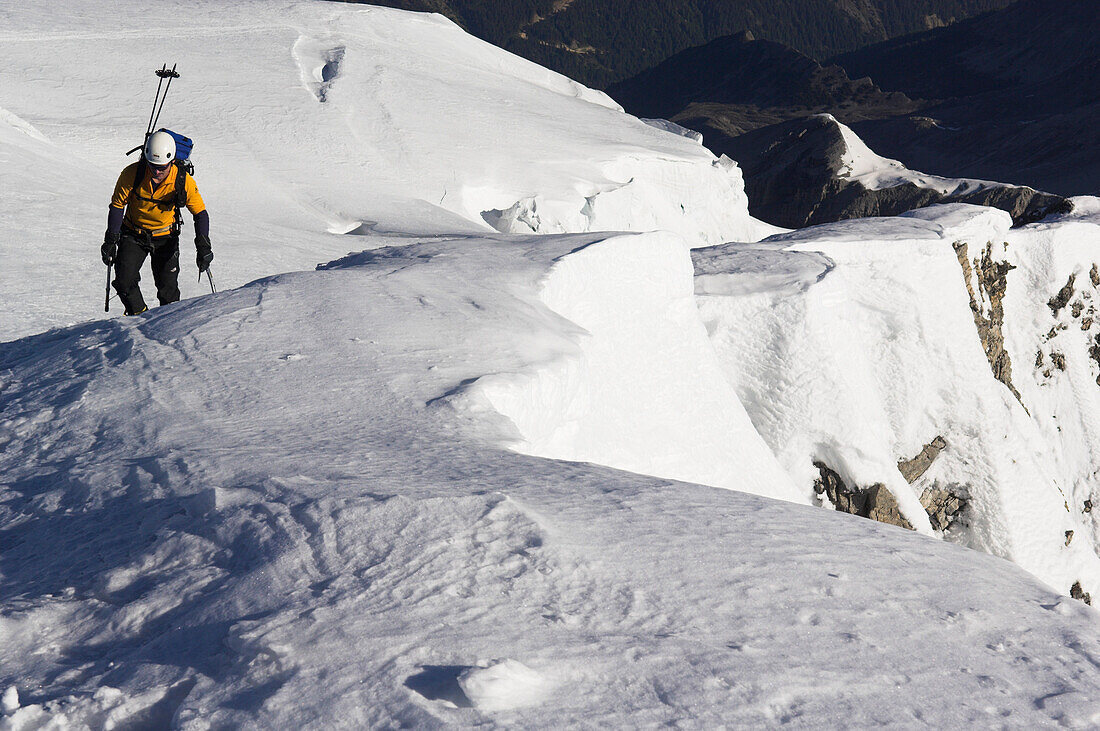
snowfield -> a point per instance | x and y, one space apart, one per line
250 510
508 414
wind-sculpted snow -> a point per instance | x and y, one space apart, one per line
316 119
874 353
643 391
286 505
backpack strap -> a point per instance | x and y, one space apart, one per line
180 195
181 187
139 176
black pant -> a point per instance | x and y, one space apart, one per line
132 250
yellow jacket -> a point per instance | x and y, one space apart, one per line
147 215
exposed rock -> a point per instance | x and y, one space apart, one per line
992 280
884 506
1039 358
1086 323
1088 506
943 506
874 502
1077 308
911 469
795 176
1025 205
1094 353
1069 537
1077 592
1058 301
1059 361
1094 275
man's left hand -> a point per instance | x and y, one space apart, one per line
203 253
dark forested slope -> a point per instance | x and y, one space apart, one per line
735 84
1012 95
598 42
1016 95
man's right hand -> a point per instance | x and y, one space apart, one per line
110 247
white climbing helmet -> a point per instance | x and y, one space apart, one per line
160 148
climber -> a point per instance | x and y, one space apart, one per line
144 219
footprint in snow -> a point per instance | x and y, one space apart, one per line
500 686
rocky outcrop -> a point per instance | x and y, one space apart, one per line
943 505
1077 592
874 502
986 282
1080 301
795 176
911 469
1060 300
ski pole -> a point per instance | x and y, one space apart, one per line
107 296
162 73
149 127
154 114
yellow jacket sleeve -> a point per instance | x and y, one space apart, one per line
194 200
124 185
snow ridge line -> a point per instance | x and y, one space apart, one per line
644 391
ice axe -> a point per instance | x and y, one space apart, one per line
210 278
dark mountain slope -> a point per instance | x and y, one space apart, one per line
1029 42
1028 75
735 84
601 41
795 176
1018 96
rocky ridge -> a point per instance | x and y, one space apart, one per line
795 176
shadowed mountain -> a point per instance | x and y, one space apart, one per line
598 42
811 170
1026 43
1016 96
1009 96
735 84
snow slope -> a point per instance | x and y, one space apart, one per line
255 510
874 172
313 120
859 347
383 492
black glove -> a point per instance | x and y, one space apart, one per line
203 254
110 247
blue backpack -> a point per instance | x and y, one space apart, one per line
184 146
